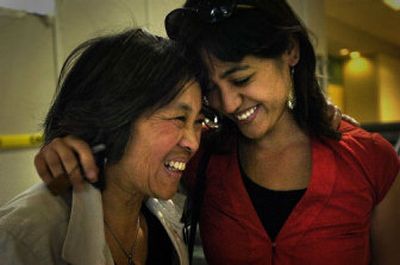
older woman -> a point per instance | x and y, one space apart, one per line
137 96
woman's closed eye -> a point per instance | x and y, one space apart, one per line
239 82
180 119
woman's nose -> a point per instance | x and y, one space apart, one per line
191 140
230 101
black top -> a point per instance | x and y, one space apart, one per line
160 249
273 207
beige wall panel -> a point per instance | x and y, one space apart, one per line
158 9
79 20
27 79
360 93
389 88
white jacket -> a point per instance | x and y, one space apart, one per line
39 228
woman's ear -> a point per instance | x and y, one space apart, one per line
293 53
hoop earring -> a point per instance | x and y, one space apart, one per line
291 100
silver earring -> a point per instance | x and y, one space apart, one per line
205 101
291 101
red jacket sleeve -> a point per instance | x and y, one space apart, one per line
376 155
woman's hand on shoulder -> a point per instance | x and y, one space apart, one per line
336 116
62 161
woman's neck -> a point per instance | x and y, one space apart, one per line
285 132
279 161
125 225
121 203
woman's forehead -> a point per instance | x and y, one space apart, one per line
189 96
225 68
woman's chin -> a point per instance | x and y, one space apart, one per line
166 194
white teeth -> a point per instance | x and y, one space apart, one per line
175 165
246 114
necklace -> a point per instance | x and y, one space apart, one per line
129 255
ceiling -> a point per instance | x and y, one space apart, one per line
366 25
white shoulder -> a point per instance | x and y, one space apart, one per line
33 219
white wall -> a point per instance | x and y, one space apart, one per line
311 12
27 80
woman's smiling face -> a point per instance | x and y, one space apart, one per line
162 143
253 92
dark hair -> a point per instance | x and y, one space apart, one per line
107 83
265 29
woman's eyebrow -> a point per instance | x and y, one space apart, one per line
184 106
187 108
233 69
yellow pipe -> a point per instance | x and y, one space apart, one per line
11 141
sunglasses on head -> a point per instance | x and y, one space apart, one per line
208 11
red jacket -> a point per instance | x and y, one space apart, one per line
331 223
